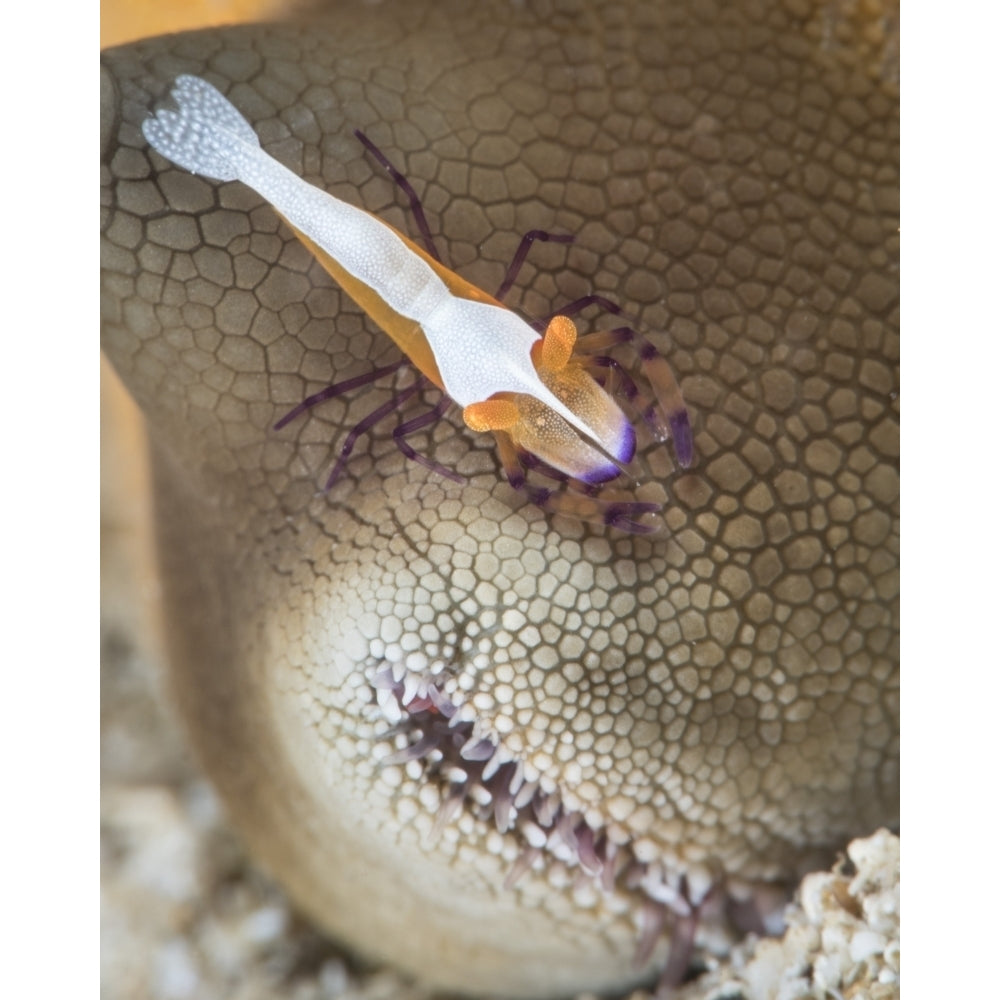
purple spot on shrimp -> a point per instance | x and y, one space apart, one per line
622 516
680 431
646 350
625 449
601 473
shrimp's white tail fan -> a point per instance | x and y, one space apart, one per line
205 135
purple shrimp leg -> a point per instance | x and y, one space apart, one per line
522 251
362 426
338 389
617 378
609 372
578 305
404 185
607 513
416 207
654 367
401 431
410 426
617 513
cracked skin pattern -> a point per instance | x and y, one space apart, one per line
726 696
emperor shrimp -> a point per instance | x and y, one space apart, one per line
540 389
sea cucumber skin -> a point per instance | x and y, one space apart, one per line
724 696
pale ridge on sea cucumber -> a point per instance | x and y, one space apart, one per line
484 777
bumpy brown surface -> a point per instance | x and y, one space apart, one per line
725 698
